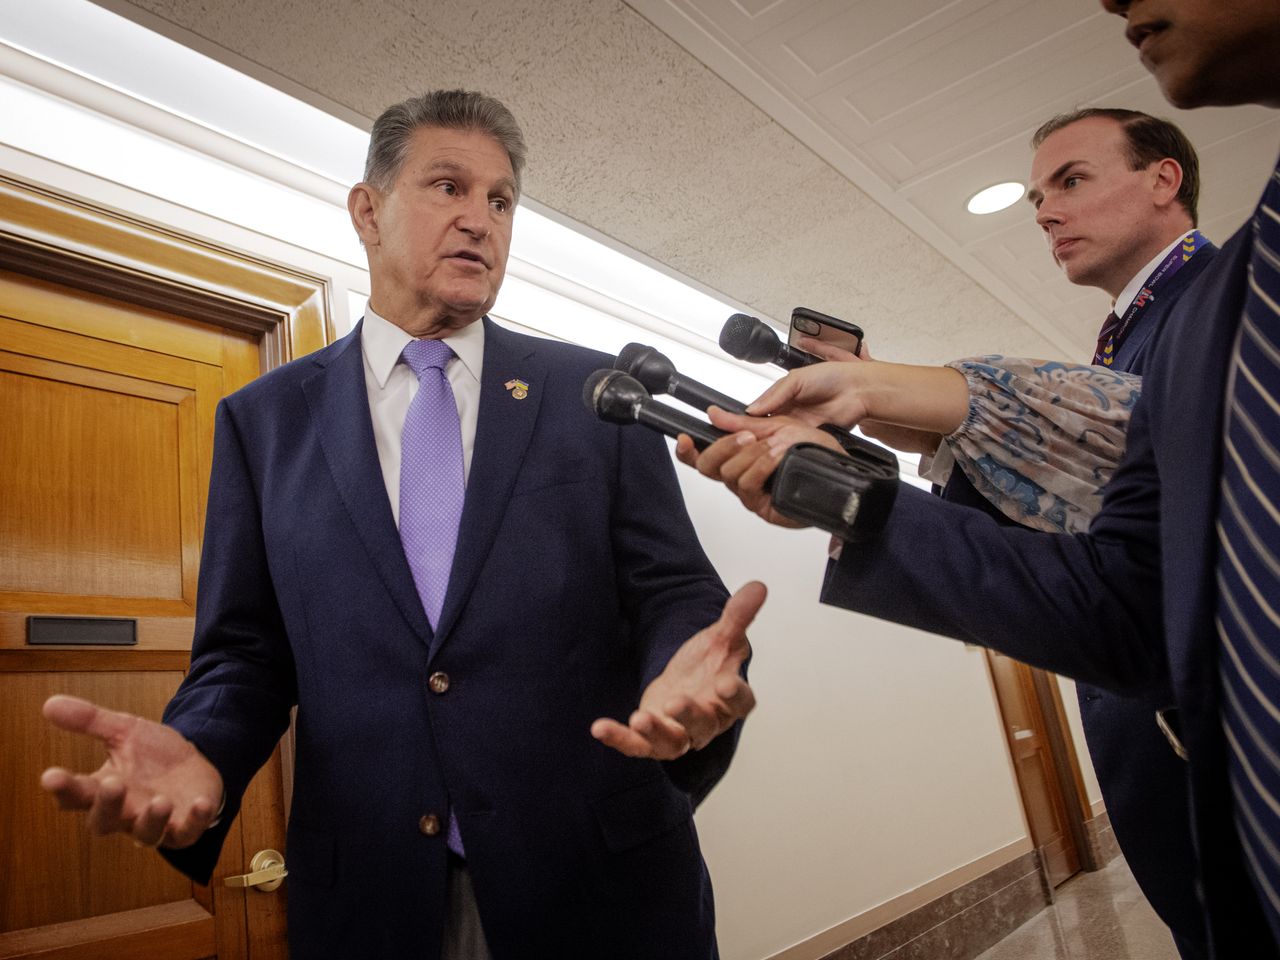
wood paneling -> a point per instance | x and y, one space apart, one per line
80 439
64 877
174 931
102 468
117 339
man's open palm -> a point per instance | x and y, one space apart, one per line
155 785
699 694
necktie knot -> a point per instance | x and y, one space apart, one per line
423 355
1104 353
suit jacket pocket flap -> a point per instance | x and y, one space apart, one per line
639 813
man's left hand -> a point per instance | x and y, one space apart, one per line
699 695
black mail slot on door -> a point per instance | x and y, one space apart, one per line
112 631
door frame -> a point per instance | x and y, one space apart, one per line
1042 696
84 245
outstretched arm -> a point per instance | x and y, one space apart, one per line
934 400
894 435
699 695
155 785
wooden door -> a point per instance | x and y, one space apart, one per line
106 430
1044 796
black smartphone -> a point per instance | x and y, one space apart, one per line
832 330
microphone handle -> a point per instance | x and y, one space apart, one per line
791 358
701 396
672 422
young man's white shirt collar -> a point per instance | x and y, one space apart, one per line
1129 293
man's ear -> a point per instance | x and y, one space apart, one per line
362 203
1167 181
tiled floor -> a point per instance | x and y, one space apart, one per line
1095 916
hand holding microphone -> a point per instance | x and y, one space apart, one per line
845 493
656 373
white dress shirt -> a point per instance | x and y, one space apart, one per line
392 385
1127 295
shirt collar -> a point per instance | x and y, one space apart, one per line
382 342
1129 293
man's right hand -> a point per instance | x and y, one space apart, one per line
155 786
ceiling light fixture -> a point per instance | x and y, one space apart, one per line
995 198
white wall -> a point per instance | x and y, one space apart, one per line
875 762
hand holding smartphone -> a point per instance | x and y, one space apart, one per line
832 330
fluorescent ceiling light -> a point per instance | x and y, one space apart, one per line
995 198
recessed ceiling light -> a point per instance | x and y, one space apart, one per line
995 198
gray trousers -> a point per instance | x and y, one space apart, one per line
463 935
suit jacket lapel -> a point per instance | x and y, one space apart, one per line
1190 431
503 432
339 405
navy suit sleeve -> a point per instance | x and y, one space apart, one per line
234 702
1086 606
668 587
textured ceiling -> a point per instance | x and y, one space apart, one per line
921 104
637 137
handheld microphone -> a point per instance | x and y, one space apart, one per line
846 495
619 398
753 340
657 374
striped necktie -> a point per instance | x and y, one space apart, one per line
1249 562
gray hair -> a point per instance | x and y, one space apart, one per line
450 109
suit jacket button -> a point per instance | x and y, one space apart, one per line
429 825
438 682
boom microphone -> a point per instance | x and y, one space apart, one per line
619 398
753 340
657 374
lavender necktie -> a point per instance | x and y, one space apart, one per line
432 483
432 487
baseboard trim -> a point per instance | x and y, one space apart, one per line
1101 839
956 915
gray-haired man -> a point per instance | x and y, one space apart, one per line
422 539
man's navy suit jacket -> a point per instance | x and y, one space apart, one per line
577 575
1129 606
1144 783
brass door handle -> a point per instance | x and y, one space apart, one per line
267 874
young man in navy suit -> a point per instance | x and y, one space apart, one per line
422 539
1175 585
1115 192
